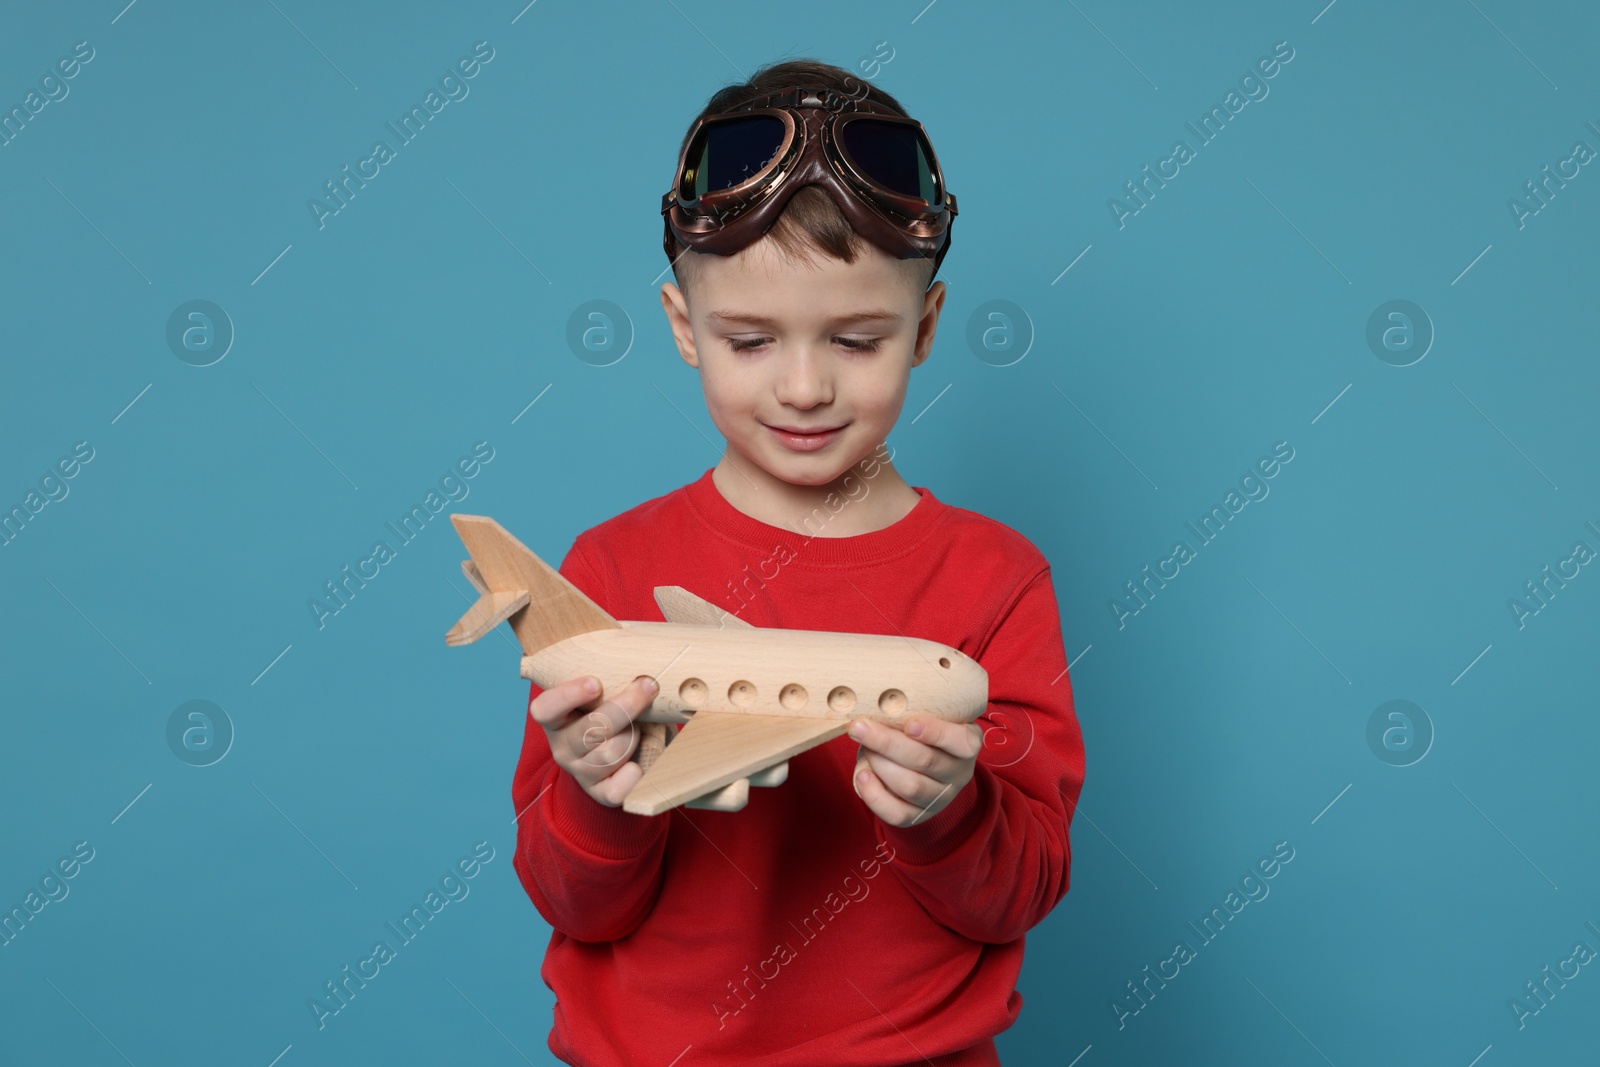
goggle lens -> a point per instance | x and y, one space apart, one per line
728 152
893 154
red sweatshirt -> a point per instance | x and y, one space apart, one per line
803 930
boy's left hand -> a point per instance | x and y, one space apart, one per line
910 774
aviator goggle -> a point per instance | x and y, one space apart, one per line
739 169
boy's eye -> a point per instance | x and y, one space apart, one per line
855 344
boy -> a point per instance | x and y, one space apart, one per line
867 927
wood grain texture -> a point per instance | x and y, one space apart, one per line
759 671
677 604
653 738
776 774
718 748
556 610
731 797
487 612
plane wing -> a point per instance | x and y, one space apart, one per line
677 604
716 748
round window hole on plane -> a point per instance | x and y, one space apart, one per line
944 661
793 696
692 692
892 702
742 693
842 698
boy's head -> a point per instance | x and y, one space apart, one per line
779 330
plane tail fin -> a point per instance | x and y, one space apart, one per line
516 585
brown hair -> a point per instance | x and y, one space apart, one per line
811 220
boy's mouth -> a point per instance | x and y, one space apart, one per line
804 439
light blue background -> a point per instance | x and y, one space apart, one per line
1227 315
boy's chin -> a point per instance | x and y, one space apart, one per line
813 470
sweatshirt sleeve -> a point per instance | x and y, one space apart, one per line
592 871
994 862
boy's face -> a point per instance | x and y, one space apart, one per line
819 346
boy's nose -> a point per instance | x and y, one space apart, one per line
804 380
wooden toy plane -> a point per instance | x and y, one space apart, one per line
749 697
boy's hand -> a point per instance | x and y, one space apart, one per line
907 775
594 745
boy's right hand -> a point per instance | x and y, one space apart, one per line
594 745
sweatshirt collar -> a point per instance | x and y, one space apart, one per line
810 545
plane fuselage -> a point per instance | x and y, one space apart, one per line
761 671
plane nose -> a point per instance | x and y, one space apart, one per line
970 676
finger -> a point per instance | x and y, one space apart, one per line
910 786
552 707
962 740
613 789
613 714
607 734
624 709
626 705
596 754
599 740
924 795
906 751
883 803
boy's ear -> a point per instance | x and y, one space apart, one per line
932 304
677 309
